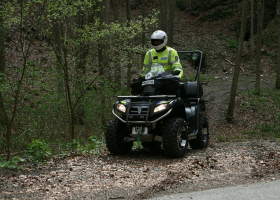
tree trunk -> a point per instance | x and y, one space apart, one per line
258 56
116 13
2 56
81 54
163 15
252 27
101 59
2 43
128 74
143 27
69 95
24 49
100 45
278 53
59 62
229 115
109 75
171 22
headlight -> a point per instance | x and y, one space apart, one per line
160 108
121 107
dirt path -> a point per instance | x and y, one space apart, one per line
141 175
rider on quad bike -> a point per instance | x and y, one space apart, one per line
167 114
164 55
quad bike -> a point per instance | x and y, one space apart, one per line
159 120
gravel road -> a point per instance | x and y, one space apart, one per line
260 191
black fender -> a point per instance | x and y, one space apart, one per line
191 111
178 107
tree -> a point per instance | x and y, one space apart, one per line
2 42
56 36
143 27
171 22
10 105
2 54
129 65
34 103
115 5
252 27
258 56
278 53
163 15
229 115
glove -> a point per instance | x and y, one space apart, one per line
175 72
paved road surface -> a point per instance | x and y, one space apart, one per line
260 191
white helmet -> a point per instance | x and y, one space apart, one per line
158 39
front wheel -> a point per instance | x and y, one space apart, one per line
115 133
202 139
175 137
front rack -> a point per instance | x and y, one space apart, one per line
148 97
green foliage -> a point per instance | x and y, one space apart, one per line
232 44
265 128
38 150
265 106
270 34
181 4
92 146
42 110
13 163
221 36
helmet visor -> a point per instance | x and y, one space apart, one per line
156 42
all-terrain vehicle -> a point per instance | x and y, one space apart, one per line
158 120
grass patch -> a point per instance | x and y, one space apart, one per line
203 77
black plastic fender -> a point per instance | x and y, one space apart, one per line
190 111
192 115
191 90
178 105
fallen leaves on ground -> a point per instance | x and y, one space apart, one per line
142 174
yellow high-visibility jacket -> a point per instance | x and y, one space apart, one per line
169 59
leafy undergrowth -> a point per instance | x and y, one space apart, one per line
40 152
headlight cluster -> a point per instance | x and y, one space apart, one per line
160 108
121 107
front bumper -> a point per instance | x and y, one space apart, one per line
142 122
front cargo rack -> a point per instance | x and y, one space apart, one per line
141 109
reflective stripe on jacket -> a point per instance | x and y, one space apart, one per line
169 59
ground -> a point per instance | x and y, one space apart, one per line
142 175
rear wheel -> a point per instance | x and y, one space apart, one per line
115 133
202 139
175 137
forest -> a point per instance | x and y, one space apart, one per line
63 62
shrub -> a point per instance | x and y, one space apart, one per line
38 150
11 164
232 44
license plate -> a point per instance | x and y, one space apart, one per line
149 82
